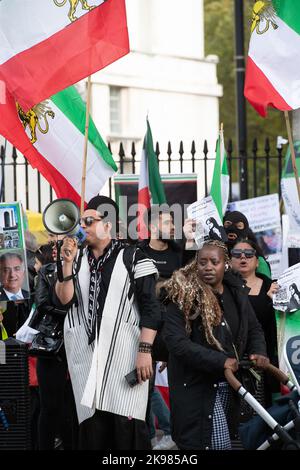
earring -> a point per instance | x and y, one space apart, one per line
226 266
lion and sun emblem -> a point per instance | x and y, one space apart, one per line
73 7
263 15
31 118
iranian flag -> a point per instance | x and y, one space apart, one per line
151 190
273 65
219 190
162 384
51 137
48 45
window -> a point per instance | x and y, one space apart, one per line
115 110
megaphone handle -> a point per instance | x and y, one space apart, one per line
60 275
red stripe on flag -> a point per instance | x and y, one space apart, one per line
260 92
164 391
12 129
143 205
89 44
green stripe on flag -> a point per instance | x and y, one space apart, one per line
215 189
219 190
289 12
156 187
71 104
225 167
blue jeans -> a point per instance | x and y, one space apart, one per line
159 410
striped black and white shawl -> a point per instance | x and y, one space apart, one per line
98 370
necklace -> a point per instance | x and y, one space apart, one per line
255 285
158 248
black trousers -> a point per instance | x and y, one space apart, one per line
57 406
107 431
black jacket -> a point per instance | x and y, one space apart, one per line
47 317
195 367
4 297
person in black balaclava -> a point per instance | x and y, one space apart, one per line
236 227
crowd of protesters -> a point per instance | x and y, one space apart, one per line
121 307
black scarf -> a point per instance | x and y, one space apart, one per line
96 268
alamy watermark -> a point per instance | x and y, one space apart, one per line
135 215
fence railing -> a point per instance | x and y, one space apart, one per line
263 167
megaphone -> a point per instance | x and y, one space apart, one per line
61 217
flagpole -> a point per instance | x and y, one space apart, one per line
86 135
293 155
221 137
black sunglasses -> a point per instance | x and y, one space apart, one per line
237 253
89 220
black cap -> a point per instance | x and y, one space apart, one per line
107 207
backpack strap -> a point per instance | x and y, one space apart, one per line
129 256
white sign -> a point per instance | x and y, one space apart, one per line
208 223
263 215
275 265
287 298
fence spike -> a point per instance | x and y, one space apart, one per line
2 154
205 148
181 150
254 145
157 151
133 152
267 145
121 150
229 146
14 155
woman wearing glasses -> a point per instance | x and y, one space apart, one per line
244 259
209 326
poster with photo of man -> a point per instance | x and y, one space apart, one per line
14 283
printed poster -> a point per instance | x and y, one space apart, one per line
208 223
14 285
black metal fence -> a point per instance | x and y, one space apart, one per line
262 165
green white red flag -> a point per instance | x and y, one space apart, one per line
273 64
151 190
219 190
48 45
51 137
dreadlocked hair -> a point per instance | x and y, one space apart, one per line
220 245
195 298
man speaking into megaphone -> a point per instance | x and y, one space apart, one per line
112 319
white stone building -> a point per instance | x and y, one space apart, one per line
165 75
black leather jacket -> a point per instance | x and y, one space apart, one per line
47 317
